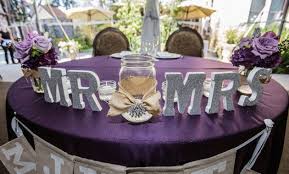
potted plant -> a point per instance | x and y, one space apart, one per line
232 39
33 52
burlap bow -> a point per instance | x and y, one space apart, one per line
123 99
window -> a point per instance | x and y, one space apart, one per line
276 7
275 11
256 8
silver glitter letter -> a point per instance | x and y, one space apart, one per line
216 91
54 85
256 86
78 90
188 90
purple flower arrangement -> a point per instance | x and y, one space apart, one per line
258 51
35 51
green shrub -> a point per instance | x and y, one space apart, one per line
129 21
84 43
283 68
168 26
232 36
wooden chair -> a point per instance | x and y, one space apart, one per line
185 41
108 41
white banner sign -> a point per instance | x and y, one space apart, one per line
220 164
18 156
84 166
156 170
51 160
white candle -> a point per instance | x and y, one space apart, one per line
105 91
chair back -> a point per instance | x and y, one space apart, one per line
109 41
185 41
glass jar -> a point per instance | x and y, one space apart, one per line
244 85
34 78
36 85
137 74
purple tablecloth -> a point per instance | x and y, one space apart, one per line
164 141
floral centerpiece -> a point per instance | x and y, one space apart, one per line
33 52
69 49
257 51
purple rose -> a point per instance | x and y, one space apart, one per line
265 45
23 50
243 56
42 43
32 35
260 51
245 42
50 58
270 62
271 34
46 54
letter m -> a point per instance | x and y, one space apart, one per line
16 152
54 82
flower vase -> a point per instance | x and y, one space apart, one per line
244 86
36 84
34 78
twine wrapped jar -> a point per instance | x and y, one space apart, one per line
137 79
137 74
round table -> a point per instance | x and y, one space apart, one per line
163 141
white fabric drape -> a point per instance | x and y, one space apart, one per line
150 38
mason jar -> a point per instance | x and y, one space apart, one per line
137 74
